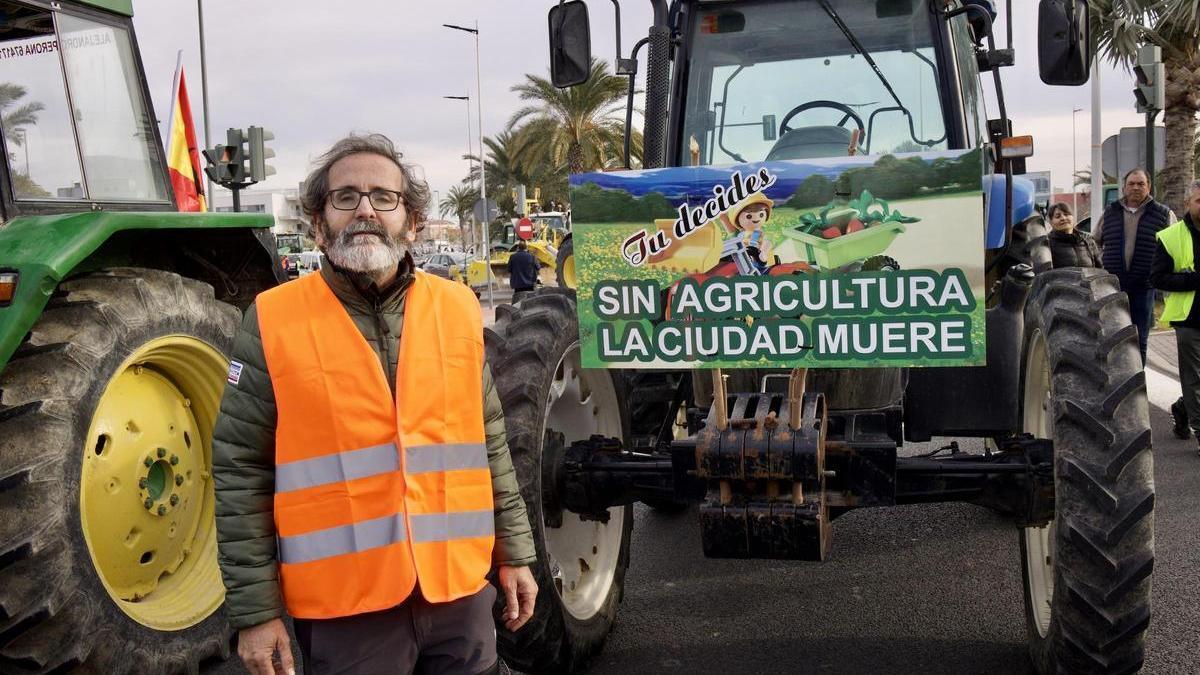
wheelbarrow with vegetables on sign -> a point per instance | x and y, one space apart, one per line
849 236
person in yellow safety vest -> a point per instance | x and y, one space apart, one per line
359 459
1174 271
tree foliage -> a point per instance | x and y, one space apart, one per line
459 202
591 203
580 128
556 133
891 177
15 120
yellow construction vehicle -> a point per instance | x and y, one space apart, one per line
548 233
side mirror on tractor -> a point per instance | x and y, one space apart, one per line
1064 42
570 44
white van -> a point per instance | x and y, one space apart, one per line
310 261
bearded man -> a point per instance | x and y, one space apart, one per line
359 460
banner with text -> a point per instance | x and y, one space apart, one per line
845 262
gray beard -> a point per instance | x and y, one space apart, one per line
370 255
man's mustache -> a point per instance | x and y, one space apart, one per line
363 227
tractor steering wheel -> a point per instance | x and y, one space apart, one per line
840 107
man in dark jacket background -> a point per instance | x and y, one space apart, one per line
366 206
1126 236
1178 249
522 269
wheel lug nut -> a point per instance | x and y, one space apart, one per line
174 500
162 510
174 460
162 452
179 479
148 462
142 483
148 503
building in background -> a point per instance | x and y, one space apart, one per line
284 205
1041 186
1081 202
442 230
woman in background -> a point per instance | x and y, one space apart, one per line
1070 247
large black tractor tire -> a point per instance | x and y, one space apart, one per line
564 264
533 349
1028 244
1087 574
56 612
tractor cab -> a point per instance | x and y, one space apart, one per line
78 131
826 78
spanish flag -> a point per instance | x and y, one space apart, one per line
183 156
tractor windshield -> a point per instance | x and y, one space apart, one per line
799 79
75 124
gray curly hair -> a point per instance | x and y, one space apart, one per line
316 186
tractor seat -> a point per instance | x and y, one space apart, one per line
812 143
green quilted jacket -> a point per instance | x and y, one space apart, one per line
244 454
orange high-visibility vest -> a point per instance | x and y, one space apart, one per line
373 494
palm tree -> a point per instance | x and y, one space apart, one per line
1084 177
504 172
459 201
1174 25
580 128
502 168
26 115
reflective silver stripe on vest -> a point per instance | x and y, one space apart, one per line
445 457
337 468
446 526
341 540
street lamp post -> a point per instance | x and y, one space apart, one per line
1074 191
204 93
470 146
482 173
470 143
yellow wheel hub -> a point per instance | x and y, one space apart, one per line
146 496
568 271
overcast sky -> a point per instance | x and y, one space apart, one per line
313 71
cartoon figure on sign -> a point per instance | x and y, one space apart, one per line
746 252
748 248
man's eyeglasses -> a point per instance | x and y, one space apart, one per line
347 199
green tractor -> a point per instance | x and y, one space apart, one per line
116 314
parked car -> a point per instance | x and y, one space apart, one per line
451 266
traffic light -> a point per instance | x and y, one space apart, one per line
259 153
1151 80
227 163
218 164
235 141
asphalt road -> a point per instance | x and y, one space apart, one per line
915 589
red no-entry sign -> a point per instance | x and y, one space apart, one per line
525 229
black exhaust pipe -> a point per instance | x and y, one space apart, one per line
658 88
